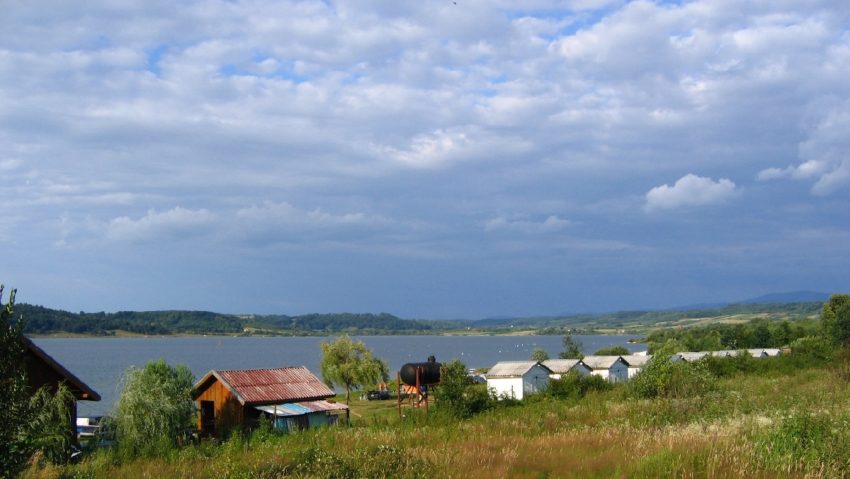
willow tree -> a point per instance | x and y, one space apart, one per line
350 364
155 408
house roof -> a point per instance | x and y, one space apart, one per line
692 356
602 362
78 388
267 386
300 408
512 369
637 360
562 366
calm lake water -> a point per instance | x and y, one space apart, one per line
99 362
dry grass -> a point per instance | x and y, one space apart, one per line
604 435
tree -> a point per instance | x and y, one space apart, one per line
155 408
835 318
14 400
350 364
613 351
457 395
572 348
539 355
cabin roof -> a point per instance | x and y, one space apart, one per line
78 388
512 369
267 386
637 360
692 355
602 362
561 366
300 408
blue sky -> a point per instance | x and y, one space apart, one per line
427 159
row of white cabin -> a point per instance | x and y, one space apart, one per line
516 379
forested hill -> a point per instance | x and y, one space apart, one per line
41 320
638 320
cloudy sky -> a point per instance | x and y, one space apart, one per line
431 159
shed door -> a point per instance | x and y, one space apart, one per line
208 417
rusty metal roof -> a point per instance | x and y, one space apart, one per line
268 386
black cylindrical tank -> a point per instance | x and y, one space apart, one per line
430 373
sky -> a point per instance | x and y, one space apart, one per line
429 159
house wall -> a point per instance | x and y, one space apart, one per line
40 374
535 380
228 412
509 387
618 372
633 371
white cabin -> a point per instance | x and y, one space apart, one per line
636 363
560 367
516 379
612 368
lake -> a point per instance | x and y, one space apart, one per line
99 362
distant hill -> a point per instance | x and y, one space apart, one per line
41 320
792 297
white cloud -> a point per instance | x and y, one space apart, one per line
176 223
689 190
551 224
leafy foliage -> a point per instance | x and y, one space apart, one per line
755 334
13 384
665 378
350 364
539 355
572 348
835 317
456 395
576 386
155 408
613 351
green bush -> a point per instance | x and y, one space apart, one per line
814 347
155 409
456 396
576 386
662 377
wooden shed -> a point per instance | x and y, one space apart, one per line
44 371
290 397
515 379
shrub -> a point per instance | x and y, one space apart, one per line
456 396
155 409
576 386
815 347
662 377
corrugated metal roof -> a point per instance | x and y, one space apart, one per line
692 356
561 366
511 369
637 360
600 362
300 408
267 386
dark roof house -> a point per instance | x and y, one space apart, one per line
44 371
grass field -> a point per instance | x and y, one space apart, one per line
786 422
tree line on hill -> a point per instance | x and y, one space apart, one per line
41 320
